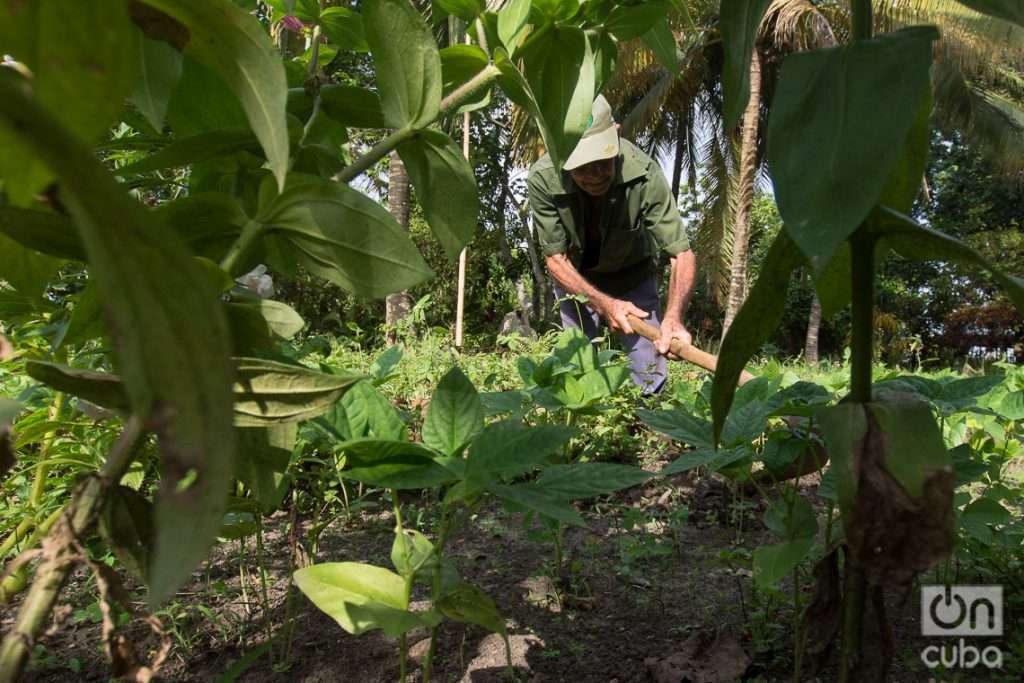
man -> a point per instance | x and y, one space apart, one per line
604 222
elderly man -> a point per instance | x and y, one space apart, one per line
606 222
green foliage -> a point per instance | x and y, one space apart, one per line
740 22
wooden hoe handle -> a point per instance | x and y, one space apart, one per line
687 352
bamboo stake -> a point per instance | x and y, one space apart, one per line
460 301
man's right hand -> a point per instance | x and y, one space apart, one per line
616 312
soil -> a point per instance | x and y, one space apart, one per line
628 610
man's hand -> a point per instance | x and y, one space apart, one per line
672 328
615 312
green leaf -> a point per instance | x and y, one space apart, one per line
159 74
518 89
586 480
627 22
508 448
982 514
269 393
907 175
755 322
772 563
1012 405
690 460
919 243
263 458
381 368
353 106
236 47
838 126
368 413
407 62
193 150
1010 10
511 22
343 236
530 497
126 524
843 427
202 102
469 604
361 597
834 282
459 64
262 318
445 187
101 388
463 9
498 402
411 552
556 10
746 423
307 11
913 438
9 410
344 28
680 425
562 74
966 465
394 464
663 44
455 415
83 60
170 339
740 21
791 518
42 231
27 270
209 223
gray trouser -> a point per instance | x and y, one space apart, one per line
650 369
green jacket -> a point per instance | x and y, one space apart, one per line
639 222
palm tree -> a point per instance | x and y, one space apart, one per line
398 305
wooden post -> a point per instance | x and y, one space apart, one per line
460 301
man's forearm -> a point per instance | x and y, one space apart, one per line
680 285
572 281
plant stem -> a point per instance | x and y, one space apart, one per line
59 553
403 644
435 594
448 105
250 234
862 19
862 345
797 637
39 484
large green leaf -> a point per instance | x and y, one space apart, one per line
445 187
838 126
208 222
455 415
740 21
1011 10
518 89
161 68
126 524
269 393
772 563
361 597
562 75
755 322
843 428
585 480
511 22
27 270
263 319
919 243
467 603
170 338
394 464
101 388
463 9
263 458
680 425
343 236
627 22
42 231
508 448
368 413
344 28
662 43
236 47
407 62
459 64
202 102
83 62
914 441
411 552
353 106
530 497
791 517
194 149
980 516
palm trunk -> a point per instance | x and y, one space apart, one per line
677 163
397 306
745 196
813 327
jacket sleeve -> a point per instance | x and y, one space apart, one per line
551 233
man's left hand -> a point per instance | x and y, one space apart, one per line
672 329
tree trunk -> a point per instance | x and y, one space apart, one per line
397 306
543 297
813 326
745 195
677 164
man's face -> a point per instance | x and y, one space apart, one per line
596 177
